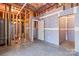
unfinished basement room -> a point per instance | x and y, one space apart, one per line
39 29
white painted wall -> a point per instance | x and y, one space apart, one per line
77 33
41 30
51 25
51 29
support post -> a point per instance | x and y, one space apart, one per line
5 20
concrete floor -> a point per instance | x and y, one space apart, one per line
38 48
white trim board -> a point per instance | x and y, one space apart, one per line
77 29
51 28
50 14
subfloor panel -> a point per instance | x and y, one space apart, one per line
69 45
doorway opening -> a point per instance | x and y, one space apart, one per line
38 30
35 33
66 32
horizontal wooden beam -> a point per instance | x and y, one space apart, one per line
19 6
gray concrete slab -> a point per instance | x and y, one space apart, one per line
38 48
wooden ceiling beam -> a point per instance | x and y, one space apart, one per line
45 9
42 6
19 6
26 7
31 6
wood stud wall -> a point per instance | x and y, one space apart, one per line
7 16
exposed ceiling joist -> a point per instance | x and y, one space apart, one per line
42 7
20 5
31 7
21 9
38 7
